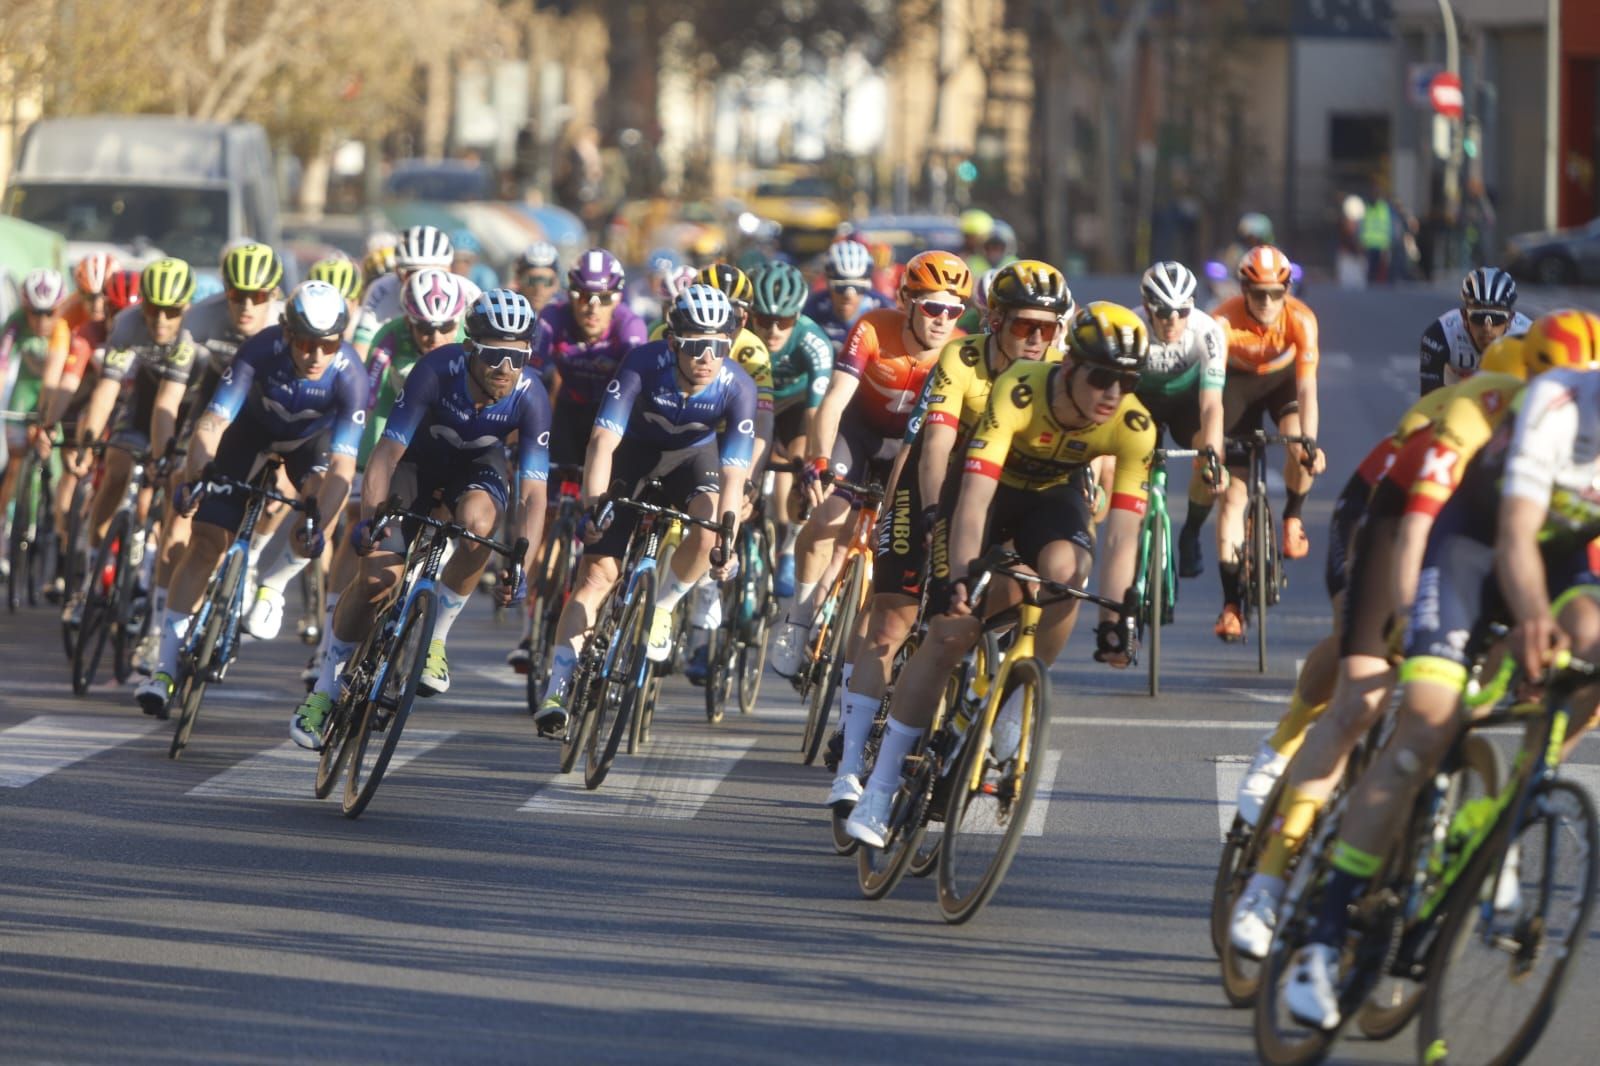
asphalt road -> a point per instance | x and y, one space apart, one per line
486 909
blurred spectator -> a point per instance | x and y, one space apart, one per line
580 174
1350 259
1377 238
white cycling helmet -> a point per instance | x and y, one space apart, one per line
423 246
980 291
674 281
43 290
1489 287
433 296
1168 286
315 310
501 314
848 261
538 255
700 309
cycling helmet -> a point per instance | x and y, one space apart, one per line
848 260
340 272
315 310
1029 283
706 245
980 291
1265 265
92 272
662 260
122 290
43 289
938 271
464 243
596 270
1109 335
382 238
975 222
1255 228
1489 287
500 315
1561 340
539 255
780 290
733 283
423 246
167 283
700 309
1168 286
669 285
251 268
433 296
379 261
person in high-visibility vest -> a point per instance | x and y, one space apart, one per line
1377 237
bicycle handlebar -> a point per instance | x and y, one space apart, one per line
1002 562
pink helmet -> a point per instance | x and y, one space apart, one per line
433 296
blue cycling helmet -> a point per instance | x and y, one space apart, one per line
465 243
500 314
700 309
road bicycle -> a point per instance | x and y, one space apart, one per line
1155 581
1261 576
551 586
737 653
31 536
378 684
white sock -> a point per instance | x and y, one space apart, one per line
672 590
450 605
846 672
258 545
327 623
1267 882
705 606
174 627
561 665
790 535
898 740
288 568
859 711
338 652
800 610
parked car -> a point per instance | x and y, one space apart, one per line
1557 257
445 180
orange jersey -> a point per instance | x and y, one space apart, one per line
1257 349
891 378
87 338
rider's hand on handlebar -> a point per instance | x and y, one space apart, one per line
1313 458
1114 644
512 588
187 496
1534 643
306 540
816 481
366 535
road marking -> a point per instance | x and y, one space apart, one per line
1339 362
1034 826
1230 772
673 780
503 675
1258 725
49 742
1259 697
288 770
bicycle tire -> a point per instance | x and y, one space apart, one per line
42 545
99 607
220 600
959 901
722 658
76 559
585 688
1156 603
130 627
405 657
1241 976
619 681
1542 804
17 532
819 708
336 746
880 870
1261 519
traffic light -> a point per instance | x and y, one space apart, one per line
967 171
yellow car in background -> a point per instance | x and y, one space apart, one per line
803 204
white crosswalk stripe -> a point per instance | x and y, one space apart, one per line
43 745
1034 826
672 780
288 770
1230 771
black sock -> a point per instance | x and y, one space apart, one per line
1292 503
1230 583
1195 519
1333 918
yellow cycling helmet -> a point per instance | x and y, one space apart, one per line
976 222
251 268
1031 284
167 283
1109 335
1504 356
340 272
1561 340
731 281
379 261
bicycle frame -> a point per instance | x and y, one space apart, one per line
870 500
1158 523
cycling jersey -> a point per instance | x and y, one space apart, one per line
1428 467
209 323
438 396
1254 348
263 387
23 355
1198 358
1448 353
1019 442
393 353
750 352
141 366
891 377
801 367
381 303
957 391
585 367
1553 456
819 309
645 404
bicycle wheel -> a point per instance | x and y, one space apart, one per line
74 560
133 619
722 662
1241 853
216 611
1156 601
1517 918
984 823
1260 573
586 688
99 607
835 642
348 710
622 681
879 870
314 602
403 660
21 529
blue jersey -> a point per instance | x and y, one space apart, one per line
645 395
437 400
819 308
263 386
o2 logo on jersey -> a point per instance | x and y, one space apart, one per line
820 386
227 376
544 439
747 428
613 387
1137 421
1022 395
360 417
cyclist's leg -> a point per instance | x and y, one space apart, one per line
1297 477
108 496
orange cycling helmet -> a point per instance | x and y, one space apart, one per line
1561 340
93 270
1264 265
938 271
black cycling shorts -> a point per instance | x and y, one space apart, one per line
570 428
684 473
789 423
901 552
1247 398
424 488
862 454
240 452
1369 600
1178 414
1347 512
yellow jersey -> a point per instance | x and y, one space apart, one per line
750 352
958 388
1019 442
1429 465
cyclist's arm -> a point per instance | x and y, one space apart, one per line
55 365
379 473
860 347
967 525
1517 560
101 403
736 448
175 368
533 471
1435 359
219 414
1136 442
1305 369
349 424
1213 380
938 441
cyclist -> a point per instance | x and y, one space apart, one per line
977 230
1022 482
444 444
295 390
468 260
380 256
342 273
1026 303
1272 370
537 274
1182 388
863 418
418 248
679 411
32 339
433 306
1453 345
847 266
89 276
1511 545
802 361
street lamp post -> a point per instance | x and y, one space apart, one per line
1452 169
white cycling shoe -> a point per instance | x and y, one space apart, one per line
788 645
846 790
1258 783
1254 921
1311 995
869 822
266 614
1006 734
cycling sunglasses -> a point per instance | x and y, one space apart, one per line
1103 378
256 297
1023 328
544 281
774 321
321 345
590 299
1489 318
495 357
940 309
704 349
1166 314
1272 293
164 310
848 288
440 329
